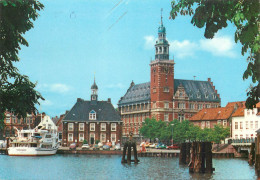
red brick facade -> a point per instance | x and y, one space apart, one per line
111 135
11 121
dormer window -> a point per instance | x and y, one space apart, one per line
214 96
206 96
92 115
198 95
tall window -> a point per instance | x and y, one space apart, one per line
207 124
225 123
113 137
7 119
200 106
219 121
70 137
81 126
236 125
251 124
241 125
236 136
166 105
13 119
92 126
192 106
246 124
113 126
181 105
103 137
166 117
103 126
92 115
202 124
70 126
81 137
181 117
207 105
19 121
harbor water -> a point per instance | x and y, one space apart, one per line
110 167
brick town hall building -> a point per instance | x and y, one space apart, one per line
164 97
92 120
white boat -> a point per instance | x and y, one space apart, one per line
34 142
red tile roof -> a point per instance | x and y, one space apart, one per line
238 103
239 112
258 105
213 114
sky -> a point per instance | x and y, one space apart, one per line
113 40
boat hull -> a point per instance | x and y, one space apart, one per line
23 151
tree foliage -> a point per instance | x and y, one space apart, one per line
182 131
215 15
17 93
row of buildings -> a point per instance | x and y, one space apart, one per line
163 98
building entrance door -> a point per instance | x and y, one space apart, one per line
92 140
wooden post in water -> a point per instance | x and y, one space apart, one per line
128 147
182 156
251 155
200 158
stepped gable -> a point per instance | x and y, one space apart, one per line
213 114
104 111
194 88
136 94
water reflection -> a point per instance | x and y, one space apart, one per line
110 167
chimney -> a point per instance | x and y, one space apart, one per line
213 87
109 100
79 100
216 91
209 79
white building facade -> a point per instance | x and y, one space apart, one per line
48 124
245 122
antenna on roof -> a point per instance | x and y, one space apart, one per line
194 77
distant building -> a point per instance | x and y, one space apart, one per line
164 97
11 121
92 120
245 122
47 123
208 118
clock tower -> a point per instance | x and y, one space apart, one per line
162 79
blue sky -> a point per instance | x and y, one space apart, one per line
73 40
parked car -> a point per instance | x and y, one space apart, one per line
85 146
153 145
100 144
117 147
106 147
160 146
173 146
72 146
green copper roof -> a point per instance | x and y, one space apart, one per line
161 29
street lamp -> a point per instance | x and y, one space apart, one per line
172 132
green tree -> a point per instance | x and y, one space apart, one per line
215 15
17 93
220 133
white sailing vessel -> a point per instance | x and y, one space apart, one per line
34 142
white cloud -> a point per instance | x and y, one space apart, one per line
182 49
57 88
118 85
218 46
149 42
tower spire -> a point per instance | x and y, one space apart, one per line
161 16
